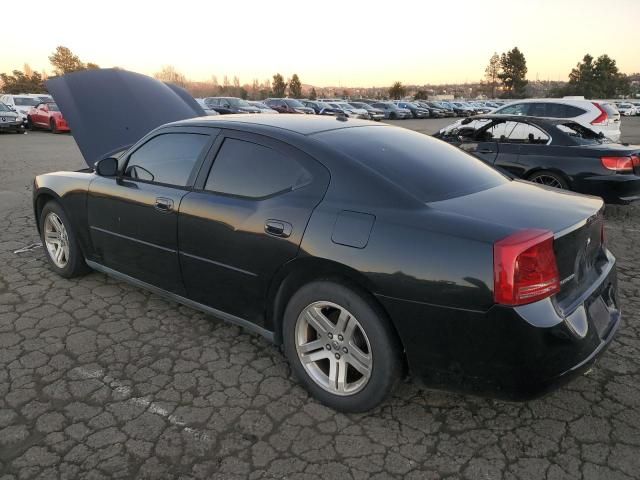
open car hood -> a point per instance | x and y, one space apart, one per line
109 110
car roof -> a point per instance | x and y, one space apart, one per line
302 124
517 118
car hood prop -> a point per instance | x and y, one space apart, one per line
109 110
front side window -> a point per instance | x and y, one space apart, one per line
168 158
247 169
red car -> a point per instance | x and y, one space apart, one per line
47 115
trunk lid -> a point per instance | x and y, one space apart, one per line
575 220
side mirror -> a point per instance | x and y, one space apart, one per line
107 167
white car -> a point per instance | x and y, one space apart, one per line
22 104
597 115
350 110
627 109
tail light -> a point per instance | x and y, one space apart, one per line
525 268
601 119
620 164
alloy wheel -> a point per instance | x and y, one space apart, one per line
333 348
547 180
56 240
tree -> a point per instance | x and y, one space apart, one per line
18 82
279 86
397 91
171 75
313 94
295 86
492 72
64 61
421 95
92 66
513 67
596 79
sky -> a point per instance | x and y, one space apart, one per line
344 43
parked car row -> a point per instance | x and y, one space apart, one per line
19 112
628 109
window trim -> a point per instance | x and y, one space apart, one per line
319 173
498 121
256 141
211 133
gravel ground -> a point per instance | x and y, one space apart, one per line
99 379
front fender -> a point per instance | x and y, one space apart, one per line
69 189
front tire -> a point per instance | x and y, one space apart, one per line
341 346
30 125
54 127
59 241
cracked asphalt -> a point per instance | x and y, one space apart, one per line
99 379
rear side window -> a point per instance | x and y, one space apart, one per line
514 109
428 168
247 169
167 158
554 110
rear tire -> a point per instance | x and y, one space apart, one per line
341 346
550 179
59 241
392 116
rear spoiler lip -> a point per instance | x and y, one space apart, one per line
579 224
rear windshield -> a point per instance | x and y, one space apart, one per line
428 168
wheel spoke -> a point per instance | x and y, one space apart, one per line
343 318
341 380
318 321
359 360
315 356
311 346
350 328
59 254
52 236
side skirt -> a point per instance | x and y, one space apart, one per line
227 317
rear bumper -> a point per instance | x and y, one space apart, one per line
515 353
620 189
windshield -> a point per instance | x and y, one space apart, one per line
582 135
293 103
431 170
53 107
346 106
26 101
4 108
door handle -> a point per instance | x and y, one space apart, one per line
164 204
485 150
278 228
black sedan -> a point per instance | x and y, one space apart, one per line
228 105
362 248
557 153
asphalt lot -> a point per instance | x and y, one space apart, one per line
99 379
